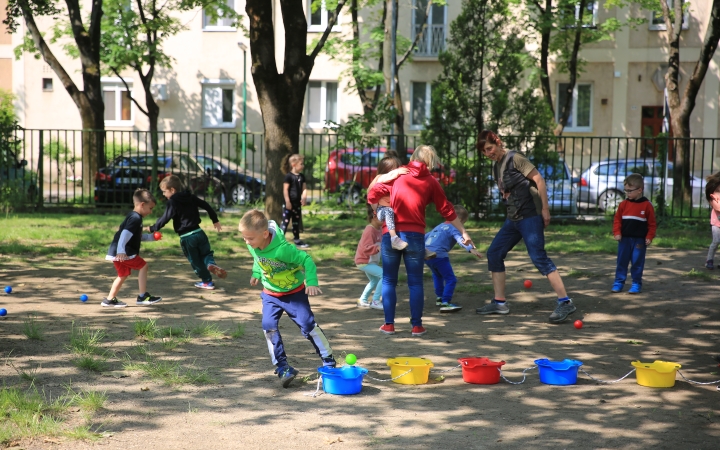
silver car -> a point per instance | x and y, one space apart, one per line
601 185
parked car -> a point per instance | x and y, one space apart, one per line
242 186
561 188
349 171
117 182
601 185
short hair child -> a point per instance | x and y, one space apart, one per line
288 275
295 195
712 194
367 257
124 252
182 208
634 228
441 240
388 170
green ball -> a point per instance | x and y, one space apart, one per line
351 359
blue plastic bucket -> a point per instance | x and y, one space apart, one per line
346 380
562 373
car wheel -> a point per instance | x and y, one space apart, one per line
351 196
239 194
610 200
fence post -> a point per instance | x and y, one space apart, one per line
41 172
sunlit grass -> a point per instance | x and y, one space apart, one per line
700 275
32 329
86 341
170 372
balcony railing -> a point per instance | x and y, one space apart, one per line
432 41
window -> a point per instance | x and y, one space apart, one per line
590 14
319 17
658 23
420 105
580 118
118 103
433 39
218 101
214 20
322 103
47 84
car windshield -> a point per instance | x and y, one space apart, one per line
550 171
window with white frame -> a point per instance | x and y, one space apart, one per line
218 104
119 110
420 105
589 15
214 20
580 118
432 41
657 22
318 16
322 103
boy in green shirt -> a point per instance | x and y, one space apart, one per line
280 266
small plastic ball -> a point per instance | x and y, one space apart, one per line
527 284
157 235
351 359
578 324
83 298
3 312
8 289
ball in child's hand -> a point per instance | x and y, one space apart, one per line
8 289
157 235
527 284
351 359
3 312
578 324
83 298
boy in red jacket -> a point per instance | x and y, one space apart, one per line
634 229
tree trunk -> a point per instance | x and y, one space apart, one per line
545 31
572 70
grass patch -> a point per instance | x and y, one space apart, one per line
579 273
239 331
700 275
172 331
86 341
83 433
170 372
146 328
32 328
206 329
91 363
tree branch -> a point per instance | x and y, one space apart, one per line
129 91
326 33
417 37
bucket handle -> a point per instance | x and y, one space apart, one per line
391 379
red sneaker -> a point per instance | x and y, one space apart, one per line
217 270
388 328
418 331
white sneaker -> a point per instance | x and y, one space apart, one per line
362 304
377 305
397 243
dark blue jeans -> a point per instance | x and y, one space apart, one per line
414 256
444 278
532 231
630 251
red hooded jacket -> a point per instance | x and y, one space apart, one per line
409 196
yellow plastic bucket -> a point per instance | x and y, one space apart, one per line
657 374
419 369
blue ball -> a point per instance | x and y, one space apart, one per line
83 298
8 289
3 312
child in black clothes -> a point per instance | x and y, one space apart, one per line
295 193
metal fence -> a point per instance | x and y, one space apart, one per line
584 175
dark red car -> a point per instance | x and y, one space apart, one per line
350 171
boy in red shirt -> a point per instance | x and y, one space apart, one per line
634 229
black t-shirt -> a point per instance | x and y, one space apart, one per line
133 223
296 183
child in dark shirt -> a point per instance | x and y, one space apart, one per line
295 194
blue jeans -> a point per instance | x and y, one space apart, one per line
414 256
630 250
443 277
374 274
532 231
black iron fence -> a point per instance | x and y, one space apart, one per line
584 175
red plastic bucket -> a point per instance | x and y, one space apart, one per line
480 370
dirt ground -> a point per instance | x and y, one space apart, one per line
676 319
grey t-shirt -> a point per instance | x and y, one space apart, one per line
522 204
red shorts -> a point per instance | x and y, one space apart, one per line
125 267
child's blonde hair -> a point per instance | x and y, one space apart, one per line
253 220
635 180
172 182
426 154
143 196
290 160
461 213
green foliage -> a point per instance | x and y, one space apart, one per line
8 118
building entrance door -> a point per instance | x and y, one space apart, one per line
651 125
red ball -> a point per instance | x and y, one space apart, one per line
578 324
527 284
157 235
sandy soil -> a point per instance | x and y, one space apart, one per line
676 319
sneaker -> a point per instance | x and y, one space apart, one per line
217 270
635 289
617 287
147 299
287 374
363 304
388 328
562 310
301 244
450 307
438 301
377 305
418 331
329 361
397 243
429 254
494 308
209 285
114 302
709 264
